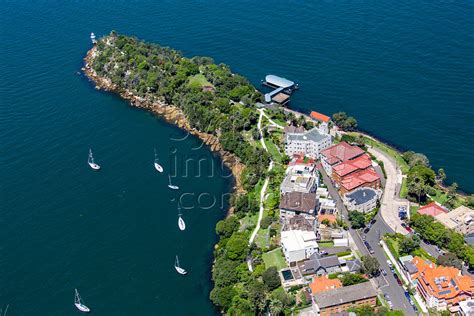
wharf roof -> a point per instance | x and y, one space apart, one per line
432 209
346 294
299 201
362 195
279 81
341 152
319 116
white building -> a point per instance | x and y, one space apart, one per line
362 200
466 308
310 143
298 245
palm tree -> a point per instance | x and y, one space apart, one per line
276 307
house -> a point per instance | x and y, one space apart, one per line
362 200
320 265
469 238
298 245
408 268
309 143
338 153
367 178
442 288
302 165
323 283
294 129
298 222
299 183
466 308
348 167
342 299
432 209
323 121
460 219
298 203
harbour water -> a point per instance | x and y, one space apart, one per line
403 69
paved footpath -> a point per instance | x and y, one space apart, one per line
390 200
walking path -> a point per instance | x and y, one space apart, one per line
390 200
265 184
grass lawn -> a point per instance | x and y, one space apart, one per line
198 81
274 258
392 244
326 244
404 188
388 150
261 238
273 150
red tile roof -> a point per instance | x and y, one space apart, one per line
319 116
341 152
298 159
432 209
359 178
349 166
331 218
323 283
444 283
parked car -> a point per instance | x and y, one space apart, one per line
384 273
364 237
366 230
397 279
372 222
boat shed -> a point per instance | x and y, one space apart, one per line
278 82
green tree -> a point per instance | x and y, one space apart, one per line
450 260
441 175
408 244
352 278
222 296
357 219
224 272
227 227
370 265
271 279
237 247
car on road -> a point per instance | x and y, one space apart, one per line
408 228
397 279
369 248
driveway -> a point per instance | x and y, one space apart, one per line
390 200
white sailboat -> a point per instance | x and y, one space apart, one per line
91 162
181 223
170 185
178 268
158 167
78 302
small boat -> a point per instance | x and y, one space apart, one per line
178 268
181 223
78 302
91 162
172 186
158 167
93 38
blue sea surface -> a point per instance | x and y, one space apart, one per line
404 69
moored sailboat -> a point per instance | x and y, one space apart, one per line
170 185
90 161
181 223
158 167
178 268
79 304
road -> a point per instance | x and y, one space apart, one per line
388 285
390 200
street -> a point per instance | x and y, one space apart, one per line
386 284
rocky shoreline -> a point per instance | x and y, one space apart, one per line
172 114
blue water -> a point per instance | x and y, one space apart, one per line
404 69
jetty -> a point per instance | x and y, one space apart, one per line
283 89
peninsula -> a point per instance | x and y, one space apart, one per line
317 207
